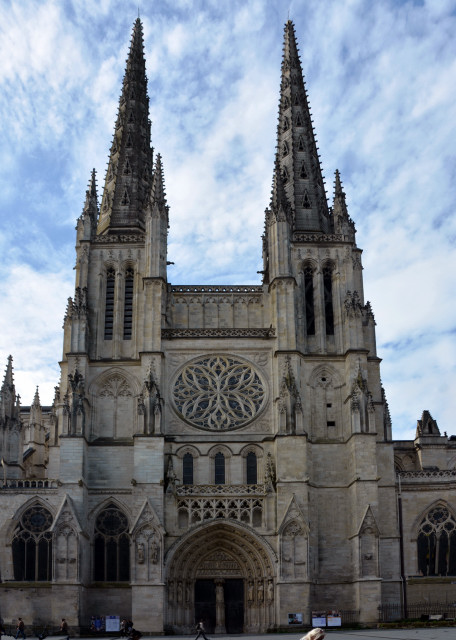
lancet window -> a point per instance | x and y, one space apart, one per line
111 557
187 469
128 304
251 468
32 546
436 543
309 301
328 300
109 304
219 468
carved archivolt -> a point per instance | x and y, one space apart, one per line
218 392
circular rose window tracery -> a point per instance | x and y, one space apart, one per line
218 393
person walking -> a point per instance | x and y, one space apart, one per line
20 628
200 629
64 629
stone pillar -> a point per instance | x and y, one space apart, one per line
219 606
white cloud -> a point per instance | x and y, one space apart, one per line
382 83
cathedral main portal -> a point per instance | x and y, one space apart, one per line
222 574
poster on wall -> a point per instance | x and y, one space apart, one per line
112 623
318 618
333 619
295 618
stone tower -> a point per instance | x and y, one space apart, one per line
216 452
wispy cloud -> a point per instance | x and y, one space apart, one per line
381 80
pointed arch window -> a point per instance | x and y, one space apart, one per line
111 550
285 150
109 303
251 468
328 300
286 102
285 175
131 118
187 469
127 168
303 171
436 543
286 124
296 100
129 142
128 304
309 300
32 546
219 468
299 120
301 146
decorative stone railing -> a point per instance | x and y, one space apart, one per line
221 490
220 332
439 475
30 485
216 288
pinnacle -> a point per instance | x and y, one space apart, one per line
36 399
158 182
8 379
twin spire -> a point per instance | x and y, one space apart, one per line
131 184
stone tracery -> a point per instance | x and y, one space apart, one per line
218 392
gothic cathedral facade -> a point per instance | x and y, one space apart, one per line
219 452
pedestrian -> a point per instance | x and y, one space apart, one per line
64 628
315 634
20 628
200 629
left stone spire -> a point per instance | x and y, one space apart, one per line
129 175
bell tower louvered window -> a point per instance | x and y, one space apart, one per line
109 306
309 301
329 310
128 304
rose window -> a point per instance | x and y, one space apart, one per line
218 392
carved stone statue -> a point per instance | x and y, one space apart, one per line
140 550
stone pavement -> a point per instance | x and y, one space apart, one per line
434 633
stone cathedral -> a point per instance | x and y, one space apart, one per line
219 452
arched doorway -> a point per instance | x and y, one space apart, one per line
224 574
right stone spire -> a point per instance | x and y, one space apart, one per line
296 145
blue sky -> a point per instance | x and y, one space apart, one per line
381 79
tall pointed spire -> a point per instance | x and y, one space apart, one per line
296 145
129 175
